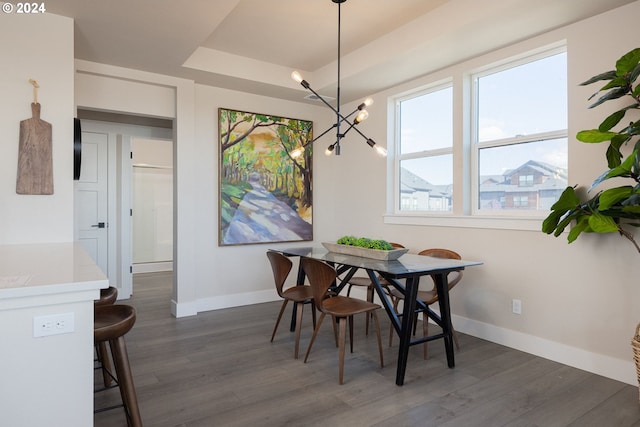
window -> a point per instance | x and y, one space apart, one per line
514 153
425 151
520 134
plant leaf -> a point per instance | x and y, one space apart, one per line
609 75
602 224
627 62
612 196
580 226
612 120
594 136
612 94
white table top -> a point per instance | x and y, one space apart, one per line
46 268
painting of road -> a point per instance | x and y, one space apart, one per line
265 192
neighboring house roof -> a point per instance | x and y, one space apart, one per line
556 180
410 183
542 167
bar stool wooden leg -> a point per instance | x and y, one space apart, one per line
105 363
125 381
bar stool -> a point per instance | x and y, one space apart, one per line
108 296
111 323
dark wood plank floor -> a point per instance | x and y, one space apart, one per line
219 369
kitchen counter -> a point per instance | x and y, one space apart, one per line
46 309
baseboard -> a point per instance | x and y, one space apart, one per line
225 301
616 369
152 267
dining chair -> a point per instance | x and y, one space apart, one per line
299 295
366 282
428 297
341 308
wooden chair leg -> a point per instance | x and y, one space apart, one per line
343 336
284 305
313 312
313 337
334 321
377 325
298 328
351 332
370 294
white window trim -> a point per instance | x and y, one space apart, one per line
462 216
476 146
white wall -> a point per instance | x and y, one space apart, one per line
38 47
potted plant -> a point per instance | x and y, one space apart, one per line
615 208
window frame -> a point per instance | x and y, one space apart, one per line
398 157
476 146
463 214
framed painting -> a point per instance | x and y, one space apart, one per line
265 190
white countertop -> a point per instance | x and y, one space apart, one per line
47 268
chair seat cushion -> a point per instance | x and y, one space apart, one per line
345 306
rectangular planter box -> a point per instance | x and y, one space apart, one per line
365 252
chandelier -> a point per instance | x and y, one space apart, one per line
360 112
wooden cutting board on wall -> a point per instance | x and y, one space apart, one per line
35 163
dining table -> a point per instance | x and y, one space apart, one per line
404 274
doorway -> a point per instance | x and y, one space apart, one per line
120 133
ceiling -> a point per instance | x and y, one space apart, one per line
253 45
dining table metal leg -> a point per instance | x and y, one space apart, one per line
405 331
445 314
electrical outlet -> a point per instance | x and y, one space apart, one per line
53 324
516 306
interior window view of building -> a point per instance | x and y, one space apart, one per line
338 212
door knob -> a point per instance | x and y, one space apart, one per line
99 225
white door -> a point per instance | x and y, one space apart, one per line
91 198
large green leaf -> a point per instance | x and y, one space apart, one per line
612 196
594 136
602 224
625 167
609 75
616 93
582 225
567 200
628 62
612 120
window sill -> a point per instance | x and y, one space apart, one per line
486 222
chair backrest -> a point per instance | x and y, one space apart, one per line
281 266
321 276
454 277
397 245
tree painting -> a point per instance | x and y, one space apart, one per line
266 193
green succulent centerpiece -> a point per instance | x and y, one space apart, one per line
364 242
615 208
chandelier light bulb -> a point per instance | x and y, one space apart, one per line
381 150
362 116
368 102
296 76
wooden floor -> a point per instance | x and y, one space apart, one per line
219 369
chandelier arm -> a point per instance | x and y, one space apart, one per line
319 136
